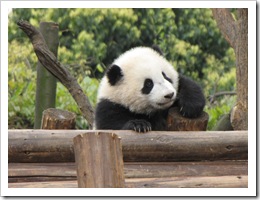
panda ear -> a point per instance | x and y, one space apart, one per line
157 49
114 74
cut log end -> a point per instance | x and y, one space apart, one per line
176 122
58 119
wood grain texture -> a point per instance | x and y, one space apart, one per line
176 182
99 160
57 145
36 172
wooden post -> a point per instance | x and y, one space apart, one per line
176 122
99 160
46 82
58 119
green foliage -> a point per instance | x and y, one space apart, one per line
217 110
90 39
21 85
22 88
65 101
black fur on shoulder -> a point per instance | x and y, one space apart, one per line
114 116
190 98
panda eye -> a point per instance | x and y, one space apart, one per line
148 86
148 83
167 78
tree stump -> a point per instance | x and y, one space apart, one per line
58 119
176 122
99 160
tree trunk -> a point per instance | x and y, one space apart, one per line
236 33
46 82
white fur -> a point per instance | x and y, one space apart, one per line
138 64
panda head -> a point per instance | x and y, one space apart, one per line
141 80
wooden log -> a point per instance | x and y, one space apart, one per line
57 145
58 119
171 182
36 172
190 182
99 160
176 122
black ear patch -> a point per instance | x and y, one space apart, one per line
114 74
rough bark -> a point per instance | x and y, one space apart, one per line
236 33
50 62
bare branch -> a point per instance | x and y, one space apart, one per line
218 94
50 62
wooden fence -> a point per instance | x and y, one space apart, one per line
46 158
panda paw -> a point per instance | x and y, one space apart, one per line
190 110
138 125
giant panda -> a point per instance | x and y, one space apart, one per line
138 89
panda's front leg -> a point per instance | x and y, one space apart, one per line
138 125
190 98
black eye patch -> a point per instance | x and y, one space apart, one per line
148 86
166 77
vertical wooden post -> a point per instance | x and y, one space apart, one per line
46 82
99 160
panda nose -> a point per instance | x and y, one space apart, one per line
169 96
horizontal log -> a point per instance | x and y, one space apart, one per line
190 182
57 145
184 182
29 172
